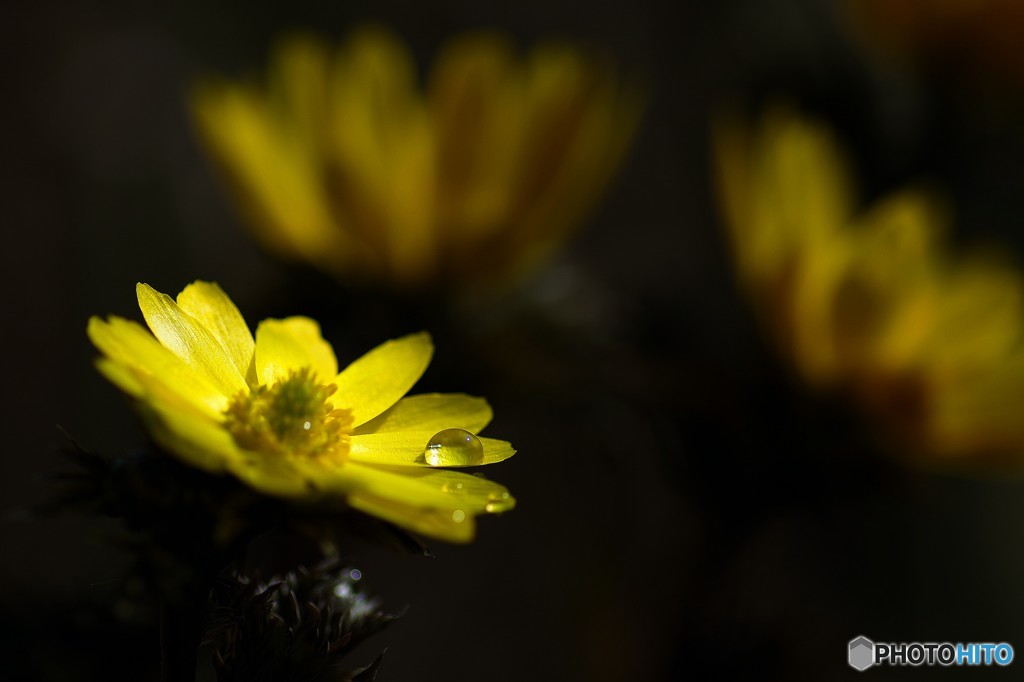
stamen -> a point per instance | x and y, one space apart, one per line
290 418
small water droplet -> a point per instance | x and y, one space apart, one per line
307 425
458 516
499 503
355 574
454 447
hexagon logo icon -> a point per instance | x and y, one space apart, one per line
862 653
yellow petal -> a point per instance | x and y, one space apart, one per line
405 448
472 494
196 439
433 502
274 170
207 303
177 424
352 476
450 525
794 155
121 376
419 487
578 125
377 380
189 340
374 91
298 89
476 100
763 181
978 317
432 412
147 387
383 145
274 476
127 343
285 346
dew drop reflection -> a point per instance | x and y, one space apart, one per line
454 447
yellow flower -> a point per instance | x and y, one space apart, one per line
869 303
276 413
342 161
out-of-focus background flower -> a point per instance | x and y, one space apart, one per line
687 503
345 162
869 303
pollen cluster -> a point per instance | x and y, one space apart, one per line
290 418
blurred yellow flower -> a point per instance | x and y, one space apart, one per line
869 303
343 162
276 413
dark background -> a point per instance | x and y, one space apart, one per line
684 511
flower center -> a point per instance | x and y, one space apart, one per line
292 417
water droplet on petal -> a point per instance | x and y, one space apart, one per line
458 516
499 503
454 447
